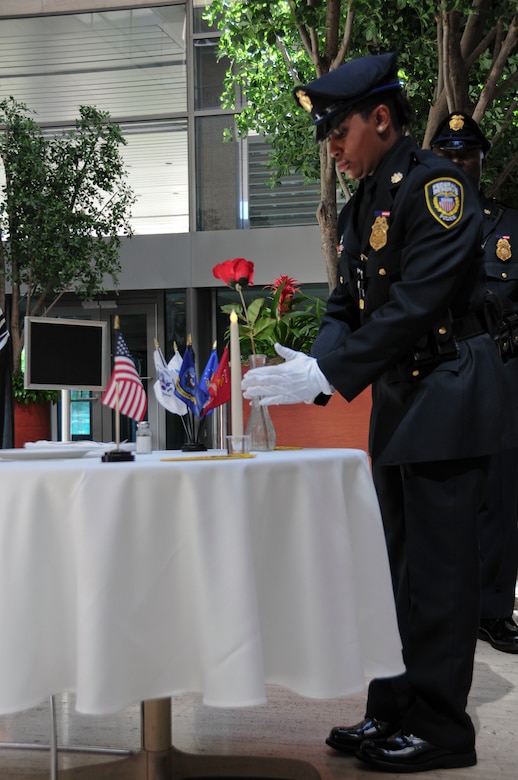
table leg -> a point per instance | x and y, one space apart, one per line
160 760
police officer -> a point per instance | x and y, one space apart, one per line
407 316
460 139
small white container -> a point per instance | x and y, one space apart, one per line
143 438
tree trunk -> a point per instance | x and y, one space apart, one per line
326 214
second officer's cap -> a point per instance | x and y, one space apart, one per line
331 97
458 132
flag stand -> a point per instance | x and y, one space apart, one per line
117 455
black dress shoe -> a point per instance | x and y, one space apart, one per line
501 633
407 753
349 738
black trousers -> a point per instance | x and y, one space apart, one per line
498 531
430 513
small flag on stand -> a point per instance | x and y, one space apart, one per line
219 385
186 388
125 392
204 383
167 374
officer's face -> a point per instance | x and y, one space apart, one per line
357 144
470 160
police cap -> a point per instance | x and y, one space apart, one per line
458 132
331 97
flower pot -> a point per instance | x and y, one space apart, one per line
338 424
31 422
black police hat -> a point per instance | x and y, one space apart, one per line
331 97
459 131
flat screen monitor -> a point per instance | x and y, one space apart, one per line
63 354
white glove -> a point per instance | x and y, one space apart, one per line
298 379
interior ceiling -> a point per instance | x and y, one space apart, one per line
131 63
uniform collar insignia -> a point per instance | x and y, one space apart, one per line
396 177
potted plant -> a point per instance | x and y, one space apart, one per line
285 315
32 412
64 206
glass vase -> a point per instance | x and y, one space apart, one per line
259 426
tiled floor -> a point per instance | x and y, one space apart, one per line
287 726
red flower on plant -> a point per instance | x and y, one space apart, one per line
289 289
237 273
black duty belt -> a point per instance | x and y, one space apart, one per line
472 324
441 342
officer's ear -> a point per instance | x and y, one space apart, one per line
382 118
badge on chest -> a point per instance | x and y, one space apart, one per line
503 248
379 230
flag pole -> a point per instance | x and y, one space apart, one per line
117 420
117 455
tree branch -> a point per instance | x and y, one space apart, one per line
493 190
346 37
488 90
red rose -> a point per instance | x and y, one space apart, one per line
235 272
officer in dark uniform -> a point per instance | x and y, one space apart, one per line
460 139
408 315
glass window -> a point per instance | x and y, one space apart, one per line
208 73
291 203
199 24
131 63
216 175
80 415
156 157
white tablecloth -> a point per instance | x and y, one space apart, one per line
133 581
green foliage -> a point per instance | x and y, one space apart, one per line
63 209
26 397
296 328
274 45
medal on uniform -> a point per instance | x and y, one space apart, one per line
503 248
379 230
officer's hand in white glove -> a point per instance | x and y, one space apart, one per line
298 379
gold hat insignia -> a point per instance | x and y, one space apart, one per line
396 177
456 122
304 99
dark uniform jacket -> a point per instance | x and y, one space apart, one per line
407 315
500 244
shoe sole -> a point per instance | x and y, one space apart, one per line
343 748
485 637
448 761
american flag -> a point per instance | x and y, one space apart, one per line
6 391
125 390
4 333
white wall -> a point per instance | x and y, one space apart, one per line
186 259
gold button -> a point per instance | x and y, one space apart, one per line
442 331
361 303
504 275
415 372
382 272
341 280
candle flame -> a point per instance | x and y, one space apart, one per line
233 316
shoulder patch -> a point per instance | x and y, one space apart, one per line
445 201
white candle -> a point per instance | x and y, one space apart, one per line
236 399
